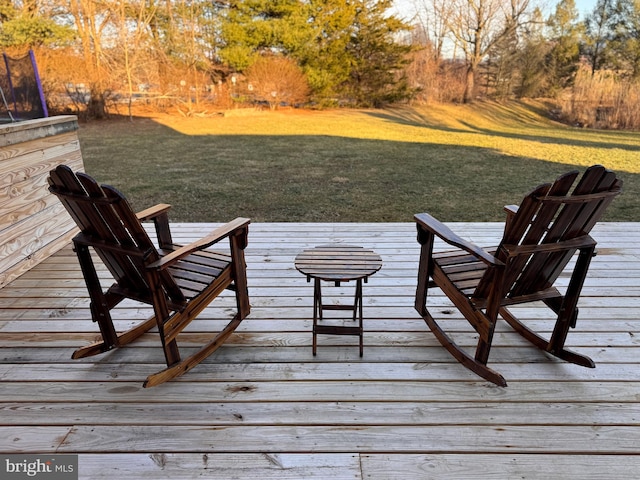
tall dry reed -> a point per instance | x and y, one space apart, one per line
603 100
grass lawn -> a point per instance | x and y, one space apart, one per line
459 163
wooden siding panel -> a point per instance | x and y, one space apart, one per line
33 226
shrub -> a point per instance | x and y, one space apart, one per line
276 81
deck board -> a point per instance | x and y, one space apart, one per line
263 407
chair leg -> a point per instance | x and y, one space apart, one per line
425 268
163 317
425 271
99 307
486 336
237 244
317 313
568 310
100 312
171 327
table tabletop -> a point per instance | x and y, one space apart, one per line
338 263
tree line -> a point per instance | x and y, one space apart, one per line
190 54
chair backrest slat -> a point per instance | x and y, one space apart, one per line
112 232
132 230
538 224
573 220
548 215
106 219
67 187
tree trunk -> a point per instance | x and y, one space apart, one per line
97 108
469 88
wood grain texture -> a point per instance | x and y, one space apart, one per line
32 224
263 406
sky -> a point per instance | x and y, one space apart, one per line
407 7
585 5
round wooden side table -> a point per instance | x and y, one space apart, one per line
337 263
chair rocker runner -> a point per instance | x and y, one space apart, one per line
178 281
540 238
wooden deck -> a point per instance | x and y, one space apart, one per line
264 407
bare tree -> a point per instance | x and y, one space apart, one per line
91 18
132 21
432 16
477 26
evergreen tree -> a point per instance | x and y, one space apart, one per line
532 60
347 48
326 58
565 33
598 33
377 76
255 27
502 68
625 39
27 27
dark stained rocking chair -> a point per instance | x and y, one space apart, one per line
179 282
540 238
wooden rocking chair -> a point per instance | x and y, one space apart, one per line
179 282
540 238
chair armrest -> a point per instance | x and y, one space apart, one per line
153 212
439 229
239 225
160 216
511 210
582 242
